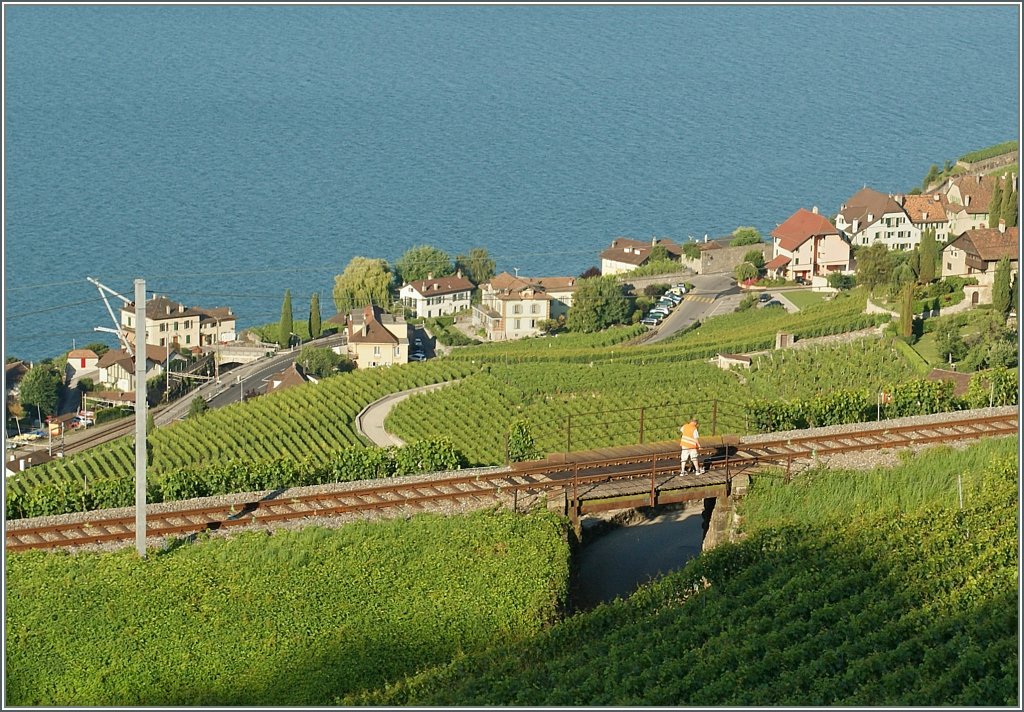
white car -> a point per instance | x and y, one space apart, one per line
417 356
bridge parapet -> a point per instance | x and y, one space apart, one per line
240 353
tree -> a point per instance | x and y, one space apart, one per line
1010 210
949 343
1001 295
756 258
744 236
314 316
198 407
658 254
598 303
745 272
590 272
364 281
874 265
318 361
933 174
85 385
995 205
421 262
284 328
40 389
477 266
838 280
929 255
691 250
97 347
521 445
907 311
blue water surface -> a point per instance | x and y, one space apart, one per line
228 153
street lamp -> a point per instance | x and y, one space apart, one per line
240 391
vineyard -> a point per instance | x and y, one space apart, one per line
291 619
309 422
886 594
604 402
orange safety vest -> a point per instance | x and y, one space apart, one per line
689 439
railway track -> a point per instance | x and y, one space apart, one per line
661 459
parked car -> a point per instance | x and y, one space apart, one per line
418 341
674 297
773 303
801 280
418 356
764 297
650 321
681 287
658 311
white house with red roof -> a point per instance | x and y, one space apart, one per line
439 296
807 245
513 307
376 338
81 363
869 217
976 253
626 254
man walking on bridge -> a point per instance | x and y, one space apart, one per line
689 442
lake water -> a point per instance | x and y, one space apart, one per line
229 153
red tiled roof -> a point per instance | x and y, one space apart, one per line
369 329
979 188
989 244
287 378
868 202
82 353
801 226
157 354
932 205
636 252
777 262
557 284
442 285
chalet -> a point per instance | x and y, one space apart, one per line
81 363
376 338
116 368
807 245
626 254
869 217
513 307
976 253
169 323
432 297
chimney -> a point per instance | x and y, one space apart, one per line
815 210
979 179
458 273
368 313
937 197
924 216
614 242
654 241
856 224
1002 225
967 201
899 200
705 237
871 218
168 307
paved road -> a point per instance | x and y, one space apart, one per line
712 294
370 422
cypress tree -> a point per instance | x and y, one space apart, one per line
1010 211
1001 297
284 329
907 311
929 255
995 206
314 316
1009 203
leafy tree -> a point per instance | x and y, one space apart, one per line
838 280
691 250
929 256
85 385
744 236
949 343
198 407
874 265
744 272
284 329
590 272
658 253
1001 296
521 445
599 302
314 316
318 361
364 281
656 290
97 347
477 265
995 205
40 389
933 174
421 261
747 302
907 311
756 258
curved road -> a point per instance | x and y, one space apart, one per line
370 421
712 294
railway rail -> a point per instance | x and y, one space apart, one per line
574 474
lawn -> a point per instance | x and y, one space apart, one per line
805 298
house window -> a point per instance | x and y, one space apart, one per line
376 350
533 308
163 342
163 327
517 309
517 324
175 326
188 339
398 351
949 266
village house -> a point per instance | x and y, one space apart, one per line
626 254
976 253
116 367
81 363
807 245
432 297
376 338
928 212
290 377
869 217
968 199
717 256
169 323
19 462
513 307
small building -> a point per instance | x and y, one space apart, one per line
432 297
116 368
19 462
626 254
928 212
171 323
807 245
727 361
976 253
290 377
376 338
81 363
513 307
869 217
968 199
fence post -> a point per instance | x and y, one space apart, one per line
714 417
641 425
506 450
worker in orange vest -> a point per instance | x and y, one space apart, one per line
689 442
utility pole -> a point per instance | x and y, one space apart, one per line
140 417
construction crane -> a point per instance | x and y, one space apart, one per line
121 335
